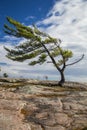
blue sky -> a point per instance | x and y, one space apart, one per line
25 11
64 19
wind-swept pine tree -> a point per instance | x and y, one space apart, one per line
38 47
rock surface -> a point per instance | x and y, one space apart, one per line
35 106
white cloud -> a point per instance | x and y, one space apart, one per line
71 24
67 20
9 38
29 17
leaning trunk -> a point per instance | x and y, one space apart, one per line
61 82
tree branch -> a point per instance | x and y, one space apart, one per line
76 61
64 63
52 58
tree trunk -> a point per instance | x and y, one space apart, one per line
61 82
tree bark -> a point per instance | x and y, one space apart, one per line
62 80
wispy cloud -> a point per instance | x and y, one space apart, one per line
29 17
67 20
39 9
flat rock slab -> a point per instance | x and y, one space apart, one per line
38 107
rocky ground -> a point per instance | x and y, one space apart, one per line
42 105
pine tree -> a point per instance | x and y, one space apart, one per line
38 47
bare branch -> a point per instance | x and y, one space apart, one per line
76 61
